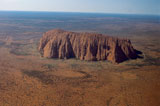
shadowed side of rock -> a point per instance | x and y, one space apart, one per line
85 46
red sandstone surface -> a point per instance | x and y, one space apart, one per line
85 46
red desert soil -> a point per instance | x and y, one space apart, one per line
30 80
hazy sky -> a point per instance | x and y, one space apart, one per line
104 6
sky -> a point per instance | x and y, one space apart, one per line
96 6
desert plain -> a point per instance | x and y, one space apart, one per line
27 79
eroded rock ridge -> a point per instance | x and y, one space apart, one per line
85 46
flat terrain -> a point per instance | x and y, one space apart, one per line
27 79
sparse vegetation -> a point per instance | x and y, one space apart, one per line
39 75
27 79
18 52
2 43
147 61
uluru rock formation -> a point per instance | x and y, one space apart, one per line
85 46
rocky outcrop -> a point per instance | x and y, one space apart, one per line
85 46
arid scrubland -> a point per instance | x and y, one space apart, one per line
27 79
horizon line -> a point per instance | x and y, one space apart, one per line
79 12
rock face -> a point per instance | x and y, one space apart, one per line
85 46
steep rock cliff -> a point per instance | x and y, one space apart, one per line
85 46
